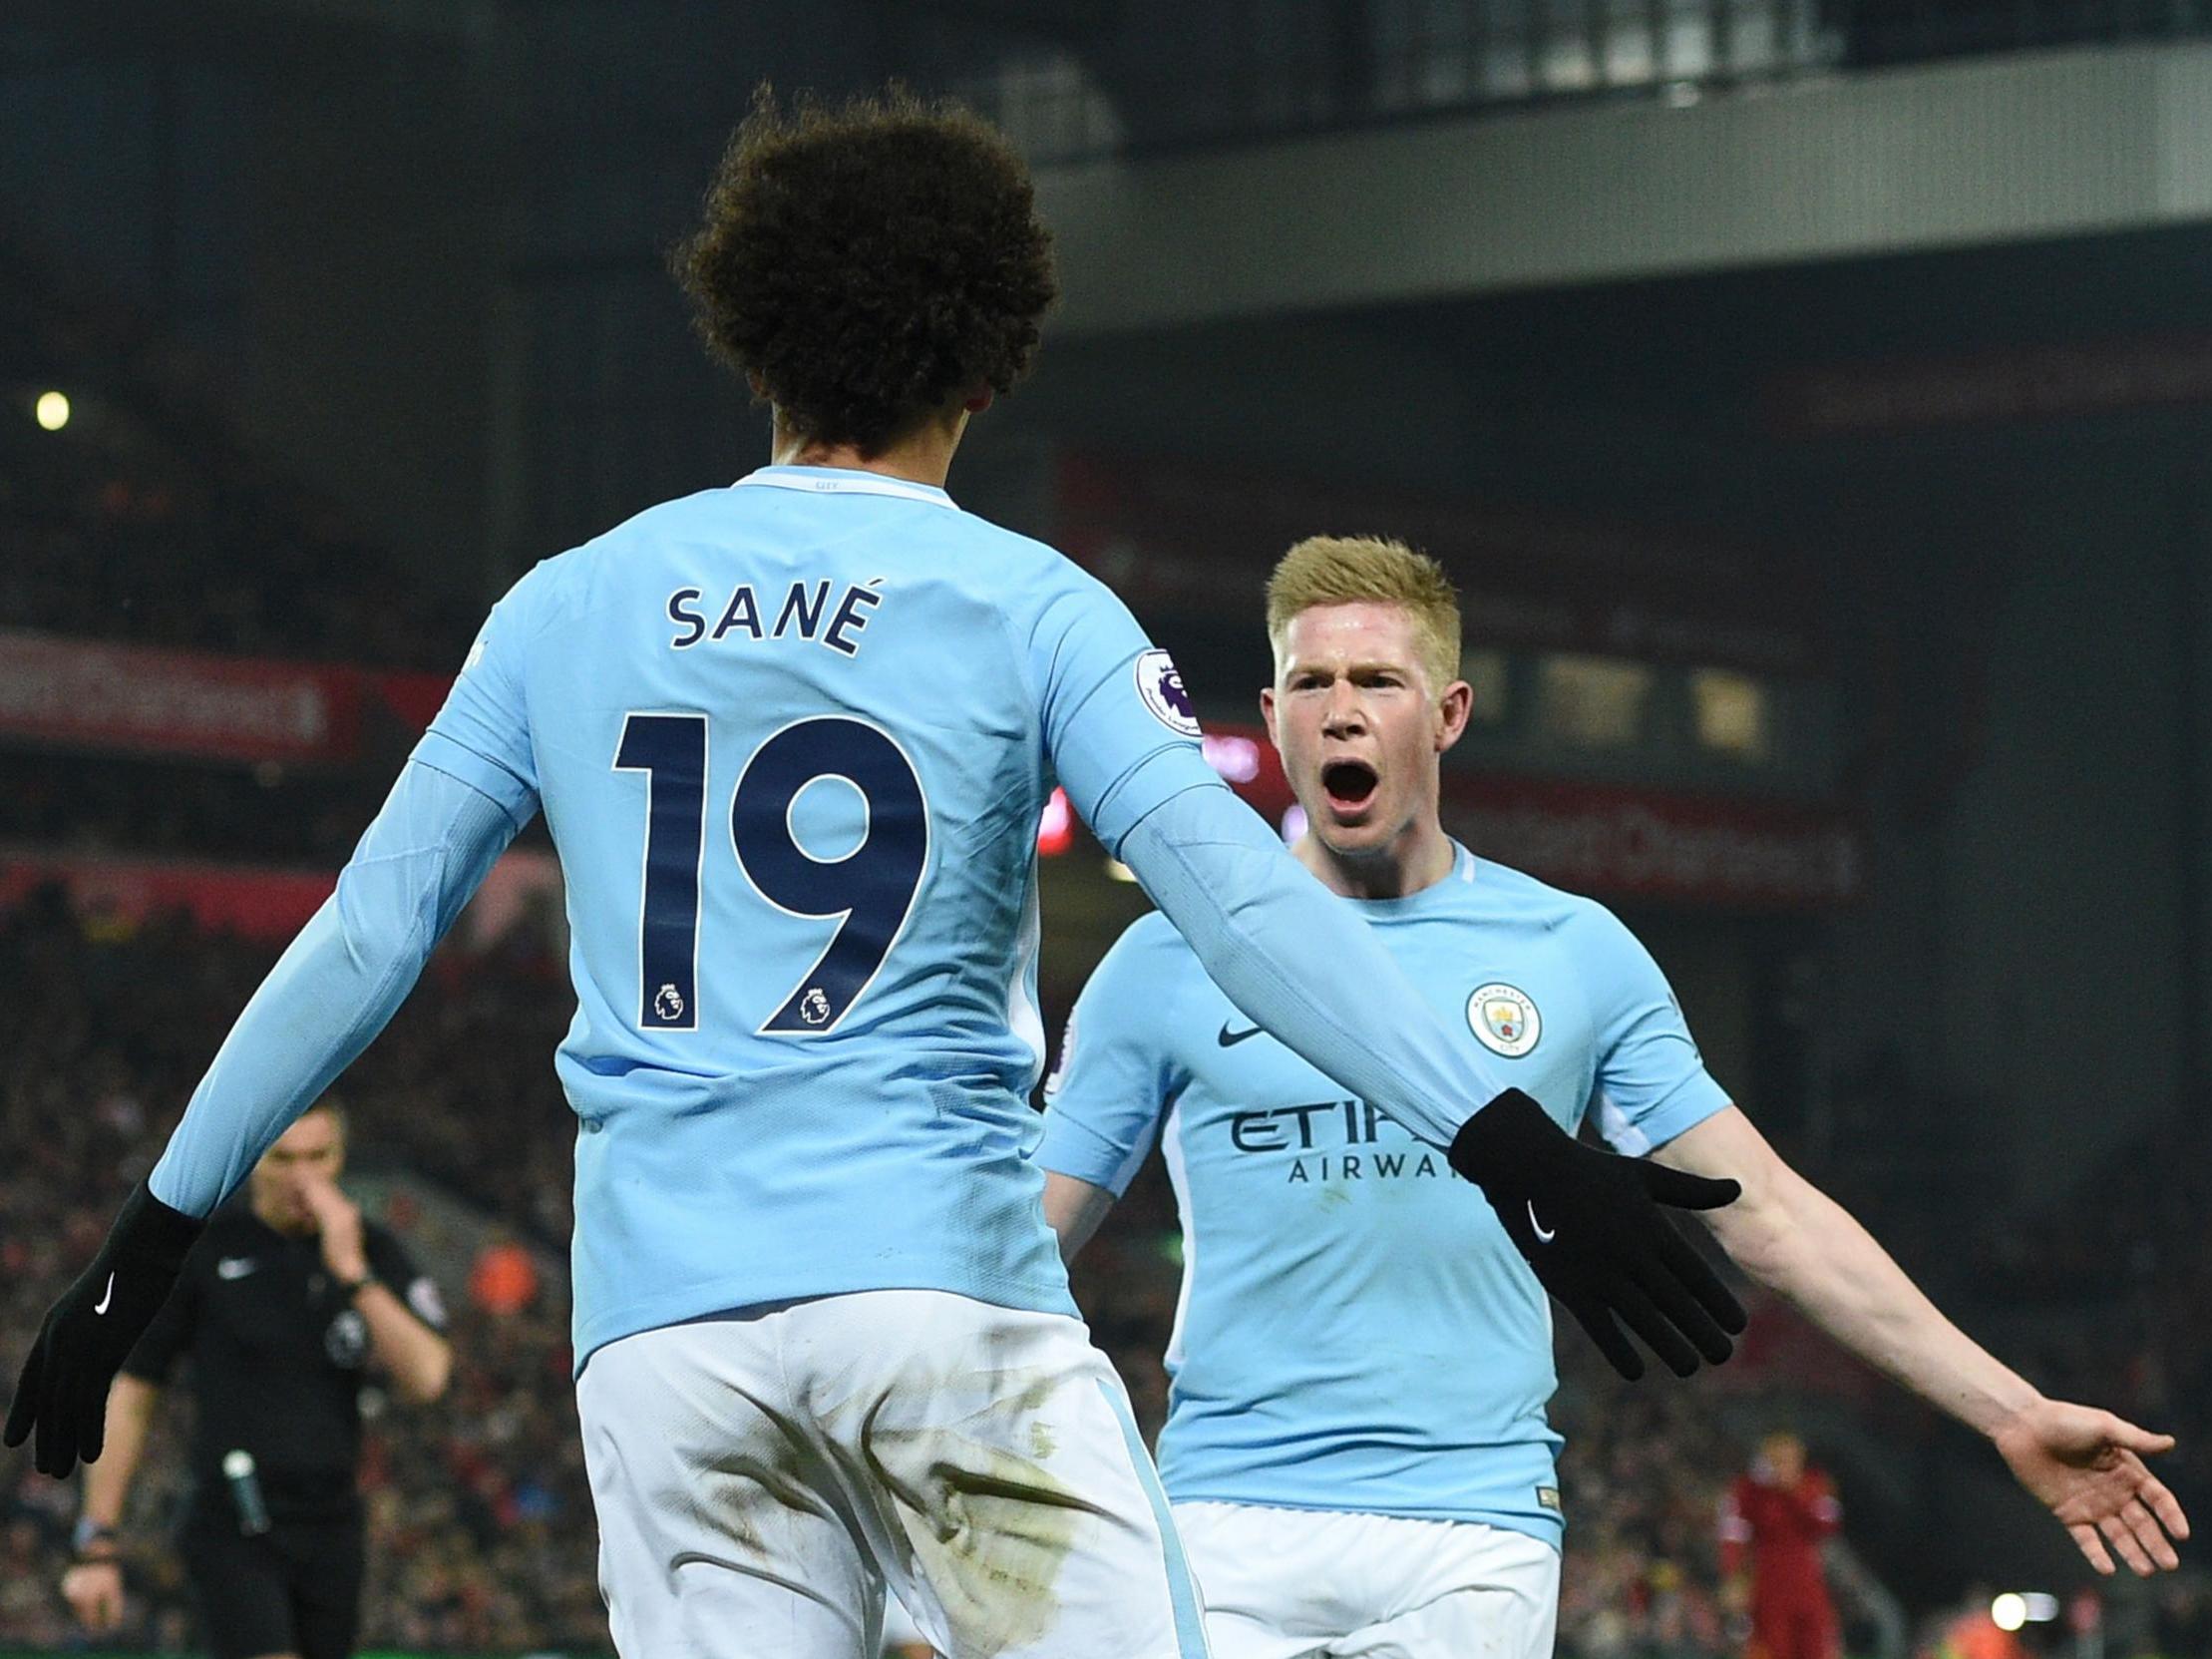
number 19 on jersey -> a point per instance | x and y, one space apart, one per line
869 893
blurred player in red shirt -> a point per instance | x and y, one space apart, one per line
1779 1515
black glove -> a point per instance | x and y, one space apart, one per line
92 1328
1589 1223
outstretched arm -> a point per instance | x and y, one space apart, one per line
2085 1466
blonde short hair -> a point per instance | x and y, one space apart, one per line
1350 570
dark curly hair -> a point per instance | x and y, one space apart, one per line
868 262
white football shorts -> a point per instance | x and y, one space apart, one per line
759 1479
1325 1584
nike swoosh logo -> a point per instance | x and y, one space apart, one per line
107 1296
1230 1038
1536 1227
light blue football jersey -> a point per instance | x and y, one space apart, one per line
793 739
1355 1331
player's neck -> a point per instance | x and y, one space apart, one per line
922 455
1418 859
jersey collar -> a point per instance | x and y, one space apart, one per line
844 481
1438 895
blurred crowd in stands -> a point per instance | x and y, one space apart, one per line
272 814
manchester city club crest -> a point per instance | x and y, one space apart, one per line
1503 1020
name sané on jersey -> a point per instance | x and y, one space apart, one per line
798 613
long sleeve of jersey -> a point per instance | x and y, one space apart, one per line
339 981
1300 962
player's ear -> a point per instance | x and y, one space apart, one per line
1267 713
1453 709
978 400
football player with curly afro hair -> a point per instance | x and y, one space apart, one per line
876 270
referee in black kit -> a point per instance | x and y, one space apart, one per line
283 1304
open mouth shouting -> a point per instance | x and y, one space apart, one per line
1349 786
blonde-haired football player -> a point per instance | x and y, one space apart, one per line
1356 1448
